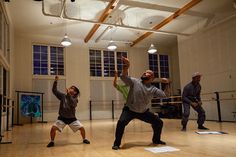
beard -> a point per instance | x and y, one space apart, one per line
145 78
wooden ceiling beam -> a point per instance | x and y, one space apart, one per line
112 4
167 20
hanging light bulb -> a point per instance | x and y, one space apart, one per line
66 41
152 49
111 46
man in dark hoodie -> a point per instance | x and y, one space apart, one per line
68 103
191 97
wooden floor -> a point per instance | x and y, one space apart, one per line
31 140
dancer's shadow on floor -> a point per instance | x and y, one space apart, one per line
135 144
148 144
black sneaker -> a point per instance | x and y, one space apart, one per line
183 129
85 141
160 142
115 147
202 127
50 144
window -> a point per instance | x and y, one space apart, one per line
153 64
164 66
159 64
95 59
104 63
48 60
40 60
57 61
109 63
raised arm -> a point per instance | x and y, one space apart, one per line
57 93
125 66
124 75
115 79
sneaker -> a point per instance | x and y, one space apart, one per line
160 142
115 147
50 144
183 129
202 127
85 141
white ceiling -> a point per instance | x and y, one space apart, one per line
28 18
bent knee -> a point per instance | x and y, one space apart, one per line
122 122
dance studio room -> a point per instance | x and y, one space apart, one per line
117 78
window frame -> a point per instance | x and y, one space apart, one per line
159 66
48 61
102 63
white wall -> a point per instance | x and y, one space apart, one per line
212 52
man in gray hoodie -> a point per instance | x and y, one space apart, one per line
68 103
139 97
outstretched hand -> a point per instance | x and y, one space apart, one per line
56 78
164 80
126 62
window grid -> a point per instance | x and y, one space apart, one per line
95 62
164 66
153 64
109 63
159 64
40 60
48 60
104 63
56 61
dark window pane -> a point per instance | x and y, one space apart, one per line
61 66
36 63
44 64
60 50
60 71
44 49
99 73
36 48
37 71
44 71
36 56
53 56
44 56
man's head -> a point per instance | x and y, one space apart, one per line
196 77
74 91
148 76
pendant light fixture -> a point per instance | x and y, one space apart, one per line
152 49
111 46
65 41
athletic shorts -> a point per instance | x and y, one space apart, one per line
73 123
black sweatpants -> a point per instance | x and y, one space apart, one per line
127 115
186 113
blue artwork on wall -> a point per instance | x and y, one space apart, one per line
30 105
